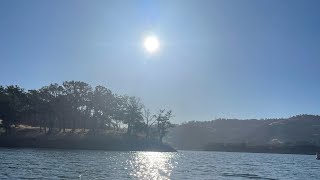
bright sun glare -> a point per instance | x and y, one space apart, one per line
151 44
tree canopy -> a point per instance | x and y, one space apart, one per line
76 105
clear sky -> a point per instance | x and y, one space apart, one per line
226 58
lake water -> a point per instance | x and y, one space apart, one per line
84 164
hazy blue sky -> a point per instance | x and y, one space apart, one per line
227 58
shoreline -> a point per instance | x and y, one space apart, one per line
84 143
271 149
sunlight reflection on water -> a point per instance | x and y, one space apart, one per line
152 165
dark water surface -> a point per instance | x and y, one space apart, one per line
84 164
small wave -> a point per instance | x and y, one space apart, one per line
245 175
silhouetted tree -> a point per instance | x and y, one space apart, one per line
163 123
76 93
149 120
133 114
35 104
13 101
102 102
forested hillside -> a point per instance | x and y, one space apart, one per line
195 135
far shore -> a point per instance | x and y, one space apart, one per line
87 143
32 138
275 149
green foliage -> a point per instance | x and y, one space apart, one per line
76 105
12 105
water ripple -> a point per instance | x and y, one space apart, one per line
77 164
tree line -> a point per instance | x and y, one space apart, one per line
76 105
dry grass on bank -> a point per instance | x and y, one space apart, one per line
30 131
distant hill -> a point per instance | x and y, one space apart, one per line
297 130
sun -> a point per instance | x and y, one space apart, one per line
151 44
